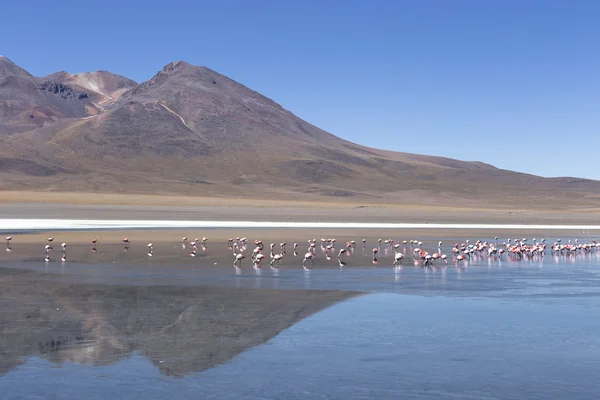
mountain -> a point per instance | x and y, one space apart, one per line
28 103
189 130
103 87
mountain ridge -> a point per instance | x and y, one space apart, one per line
191 130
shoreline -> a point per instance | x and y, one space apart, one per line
35 224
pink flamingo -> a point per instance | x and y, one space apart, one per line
258 260
398 258
276 259
238 260
308 257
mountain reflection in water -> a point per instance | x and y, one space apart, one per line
179 329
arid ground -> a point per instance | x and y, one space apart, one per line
20 204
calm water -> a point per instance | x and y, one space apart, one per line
490 330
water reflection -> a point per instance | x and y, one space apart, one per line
179 329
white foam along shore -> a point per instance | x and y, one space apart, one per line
28 225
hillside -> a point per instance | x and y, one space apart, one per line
190 130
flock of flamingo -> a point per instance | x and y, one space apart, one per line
514 249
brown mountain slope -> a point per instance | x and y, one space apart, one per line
103 87
27 102
190 130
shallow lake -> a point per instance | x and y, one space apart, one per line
489 330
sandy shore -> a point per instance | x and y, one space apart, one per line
126 207
218 237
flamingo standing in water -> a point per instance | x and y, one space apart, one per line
257 250
258 260
398 258
276 259
8 239
308 257
150 249
340 257
428 260
375 250
238 260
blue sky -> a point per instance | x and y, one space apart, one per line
512 83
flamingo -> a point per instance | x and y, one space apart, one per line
50 239
428 260
276 259
308 257
238 260
375 250
64 247
256 252
258 260
340 257
398 258
8 239
150 249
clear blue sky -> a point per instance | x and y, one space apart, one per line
515 83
